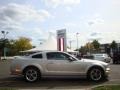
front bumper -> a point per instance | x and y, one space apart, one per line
107 71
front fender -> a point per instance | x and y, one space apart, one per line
95 65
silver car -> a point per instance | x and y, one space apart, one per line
102 57
57 64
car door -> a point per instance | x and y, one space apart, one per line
59 63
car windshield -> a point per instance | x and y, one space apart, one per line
74 58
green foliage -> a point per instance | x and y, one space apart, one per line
90 47
83 50
21 44
107 87
14 46
87 48
96 44
113 45
1 43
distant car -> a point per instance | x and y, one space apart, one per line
56 64
88 57
102 57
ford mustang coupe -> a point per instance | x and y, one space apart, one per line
57 64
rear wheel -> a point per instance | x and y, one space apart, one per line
95 74
31 74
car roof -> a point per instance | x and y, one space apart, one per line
51 51
46 51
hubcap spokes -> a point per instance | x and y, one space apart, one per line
31 75
96 74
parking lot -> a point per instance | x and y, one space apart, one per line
6 80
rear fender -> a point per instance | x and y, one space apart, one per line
33 65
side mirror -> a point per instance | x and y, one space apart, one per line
71 59
79 58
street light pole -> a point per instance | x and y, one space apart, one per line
4 37
71 43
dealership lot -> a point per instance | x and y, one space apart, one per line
6 80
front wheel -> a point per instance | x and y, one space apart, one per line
31 74
95 74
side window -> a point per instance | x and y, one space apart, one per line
37 56
57 56
50 56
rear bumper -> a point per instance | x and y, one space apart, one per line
15 72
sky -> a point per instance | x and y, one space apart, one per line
35 19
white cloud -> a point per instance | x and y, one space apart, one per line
56 3
13 15
34 34
15 18
107 30
71 24
93 27
95 19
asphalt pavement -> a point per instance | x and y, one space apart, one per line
6 80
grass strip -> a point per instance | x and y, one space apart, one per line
107 87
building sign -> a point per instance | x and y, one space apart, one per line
61 40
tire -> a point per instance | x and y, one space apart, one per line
32 74
95 74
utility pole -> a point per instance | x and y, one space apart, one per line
77 39
71 43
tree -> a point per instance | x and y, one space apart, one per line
11 48
14 46
1 47
96 45
22 44
113 45
4 43
1 43
83 50
89 47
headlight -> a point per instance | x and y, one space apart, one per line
107 69
107 66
